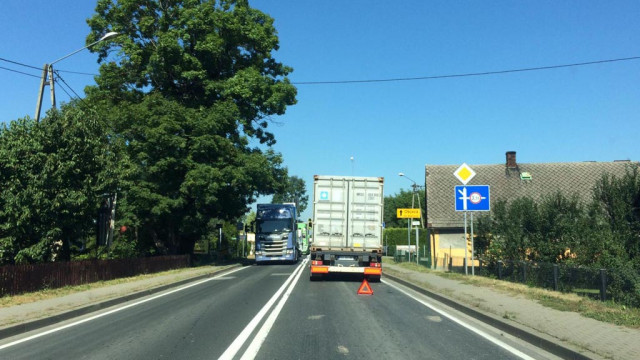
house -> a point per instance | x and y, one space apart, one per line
506 181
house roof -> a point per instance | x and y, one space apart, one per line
505 183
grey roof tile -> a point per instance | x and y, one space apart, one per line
547 179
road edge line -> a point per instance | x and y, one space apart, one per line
531 338
22 328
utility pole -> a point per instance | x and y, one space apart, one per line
48 79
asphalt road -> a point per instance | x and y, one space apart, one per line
271 312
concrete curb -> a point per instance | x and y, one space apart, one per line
40 323
536 340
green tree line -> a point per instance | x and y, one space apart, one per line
176 126
601 233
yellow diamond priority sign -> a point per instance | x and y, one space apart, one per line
464 173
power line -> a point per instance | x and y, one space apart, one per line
21 64
77 72
70 88
39 68
65 91
466 74
19 72
433 77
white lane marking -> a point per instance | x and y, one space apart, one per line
261 336
115 310
235 346
483 334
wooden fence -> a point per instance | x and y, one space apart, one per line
18 279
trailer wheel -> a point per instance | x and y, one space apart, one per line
315 277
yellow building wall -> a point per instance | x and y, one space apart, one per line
450 245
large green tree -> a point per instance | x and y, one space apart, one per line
292 190
188 84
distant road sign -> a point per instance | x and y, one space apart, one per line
472 198
464 173
408 213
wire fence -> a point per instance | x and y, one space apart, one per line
620 285
18 279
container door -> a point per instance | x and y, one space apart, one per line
365 214
330 213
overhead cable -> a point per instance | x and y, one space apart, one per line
464 75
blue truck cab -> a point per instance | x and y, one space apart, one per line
276 233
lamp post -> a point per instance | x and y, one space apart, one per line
47 72
413 197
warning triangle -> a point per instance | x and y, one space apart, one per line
365 289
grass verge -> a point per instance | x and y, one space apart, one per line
608 311
178 274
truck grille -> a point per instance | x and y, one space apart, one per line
274 248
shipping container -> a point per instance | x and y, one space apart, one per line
347 226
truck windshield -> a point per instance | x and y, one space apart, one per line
273 225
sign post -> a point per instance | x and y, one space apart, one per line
471 198
464 173
408 214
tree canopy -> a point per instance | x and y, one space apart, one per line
186 86
53 174
292 190
403 200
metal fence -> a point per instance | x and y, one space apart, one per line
620 285
591 282
18 279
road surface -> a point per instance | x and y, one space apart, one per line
272 312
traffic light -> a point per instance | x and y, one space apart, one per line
309 223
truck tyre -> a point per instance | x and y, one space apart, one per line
315 277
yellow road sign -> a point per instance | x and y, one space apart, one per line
408 213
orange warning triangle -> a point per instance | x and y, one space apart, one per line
365 289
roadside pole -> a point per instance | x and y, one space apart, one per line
466 271
473 272
417 246
409 238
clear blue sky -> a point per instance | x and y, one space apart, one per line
560 115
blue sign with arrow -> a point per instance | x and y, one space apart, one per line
472 198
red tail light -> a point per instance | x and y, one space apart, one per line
375 265
316 262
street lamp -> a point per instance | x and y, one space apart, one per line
47 71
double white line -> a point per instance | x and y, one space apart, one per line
261 335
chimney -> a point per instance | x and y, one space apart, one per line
511 160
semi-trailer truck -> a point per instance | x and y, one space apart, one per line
276 233
304 234
347 226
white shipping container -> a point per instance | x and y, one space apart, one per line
347 213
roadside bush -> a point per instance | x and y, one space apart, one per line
623 285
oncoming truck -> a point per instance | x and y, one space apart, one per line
276 233
347 226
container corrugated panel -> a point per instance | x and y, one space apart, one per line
348 212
